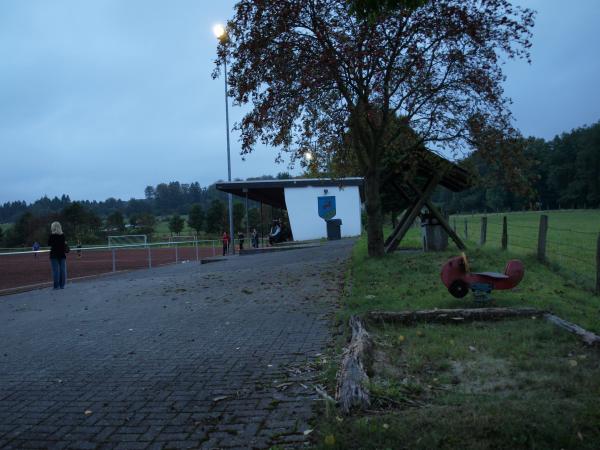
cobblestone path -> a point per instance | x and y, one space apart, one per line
188 356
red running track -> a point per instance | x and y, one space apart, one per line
20 271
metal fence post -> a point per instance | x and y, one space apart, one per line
197 255
543 232
176 253
504 233
466 230
113 261
483 236
149 258
213 246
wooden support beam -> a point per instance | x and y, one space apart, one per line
410 201
402 192
441 219
414 212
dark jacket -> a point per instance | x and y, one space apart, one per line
56 242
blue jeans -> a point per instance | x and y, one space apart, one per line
59 272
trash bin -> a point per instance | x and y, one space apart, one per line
435 238
334 229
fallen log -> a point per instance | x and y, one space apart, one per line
452 315
351 390
586 336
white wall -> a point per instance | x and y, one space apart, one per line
303 211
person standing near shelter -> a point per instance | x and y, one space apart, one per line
241 239
36 249
275 234
225 239
254 238
58 255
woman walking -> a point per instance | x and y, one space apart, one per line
58 255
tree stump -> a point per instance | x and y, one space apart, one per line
351 390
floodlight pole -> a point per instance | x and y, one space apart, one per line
229 196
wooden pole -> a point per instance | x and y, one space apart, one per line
541 251
466 230
598 266
504 234
483 236
404 216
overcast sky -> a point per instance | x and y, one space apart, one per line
101 98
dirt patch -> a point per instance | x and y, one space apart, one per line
484 374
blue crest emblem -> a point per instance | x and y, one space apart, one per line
326 207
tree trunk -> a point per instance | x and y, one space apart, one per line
374 215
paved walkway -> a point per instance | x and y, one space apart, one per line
218 355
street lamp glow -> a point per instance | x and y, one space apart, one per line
219 30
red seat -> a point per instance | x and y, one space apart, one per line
495 275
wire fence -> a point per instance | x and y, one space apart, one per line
570 243
25 269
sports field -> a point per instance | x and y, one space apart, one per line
571 241
29 270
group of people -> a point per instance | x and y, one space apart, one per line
226 240
59 248
276 234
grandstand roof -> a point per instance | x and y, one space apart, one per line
271 192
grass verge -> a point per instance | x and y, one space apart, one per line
511 384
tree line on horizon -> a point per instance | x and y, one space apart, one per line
160 200
92 221
562 173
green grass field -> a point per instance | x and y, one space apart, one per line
162 227
571 241
510 384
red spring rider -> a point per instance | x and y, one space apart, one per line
458 278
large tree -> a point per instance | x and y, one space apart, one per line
176 224
116 221
316 70
216 217
196 218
